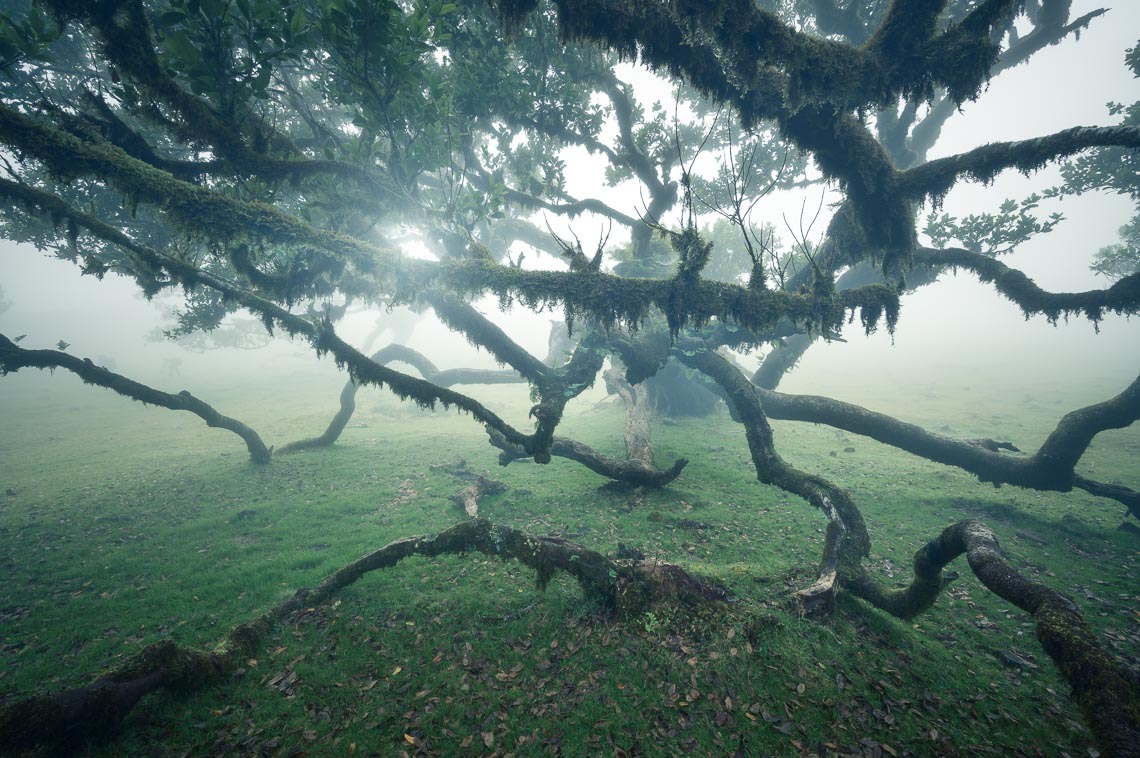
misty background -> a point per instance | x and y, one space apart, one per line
957 326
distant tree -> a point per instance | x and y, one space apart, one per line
264 156
1112 170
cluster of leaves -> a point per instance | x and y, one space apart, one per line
992 234
24 38
1112 170
1118 261
226 51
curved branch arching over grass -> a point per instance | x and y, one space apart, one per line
636 473
13 358
1108 696
61 721
1050 468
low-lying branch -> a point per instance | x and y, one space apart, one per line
62 720
13 358
847 541
1108 696
1050 468
637 473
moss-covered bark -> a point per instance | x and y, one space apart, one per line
633 472
1107 694
61 721
1123 297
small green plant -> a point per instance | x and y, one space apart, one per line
651 622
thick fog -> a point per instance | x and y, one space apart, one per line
956 323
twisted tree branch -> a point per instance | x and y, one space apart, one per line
1108 696
61 721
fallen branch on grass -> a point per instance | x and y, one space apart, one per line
468 497
63 720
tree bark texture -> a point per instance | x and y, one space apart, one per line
638 442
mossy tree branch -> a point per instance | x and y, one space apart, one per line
61 721
1050 468
1108 696
13 358
935 178
1123 297
397 354
614 300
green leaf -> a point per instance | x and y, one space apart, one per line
179 44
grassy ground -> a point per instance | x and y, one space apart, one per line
123 524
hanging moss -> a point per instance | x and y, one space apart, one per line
1123 297
513 13
936 178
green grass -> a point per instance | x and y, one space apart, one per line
131 524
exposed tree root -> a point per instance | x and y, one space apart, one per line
14 357
63 720
1108 696
622 470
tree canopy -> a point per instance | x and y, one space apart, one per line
282 160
